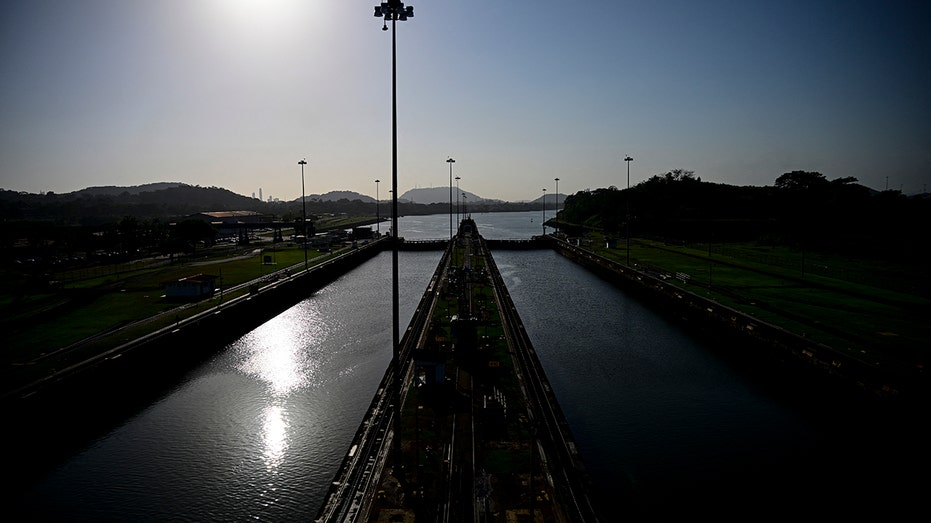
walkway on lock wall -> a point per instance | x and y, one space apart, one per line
482 437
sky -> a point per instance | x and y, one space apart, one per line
233 93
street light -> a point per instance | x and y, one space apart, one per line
544 211
302 163
377 214
395 10
628 159
451 162
458 194
557 205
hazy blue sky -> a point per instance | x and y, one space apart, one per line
232 93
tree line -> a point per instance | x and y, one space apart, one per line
801 209
114 224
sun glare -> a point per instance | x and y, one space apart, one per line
259 18
275 436
281 353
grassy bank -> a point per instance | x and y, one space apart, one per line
867 315
94 309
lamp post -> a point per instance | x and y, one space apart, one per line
302 163
451 162
377 213
628 159
395 10
458 194
557 206
544 211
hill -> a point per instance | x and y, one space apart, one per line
802 210
166 201
550 202
335 196
441 195
114 190
98 205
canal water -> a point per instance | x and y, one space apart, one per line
666 423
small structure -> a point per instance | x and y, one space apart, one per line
361 233
229 223
222 218
191 288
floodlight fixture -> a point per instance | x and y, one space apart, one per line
628 159
395 10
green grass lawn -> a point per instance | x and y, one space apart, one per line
87 307
865 317
50 320
862 317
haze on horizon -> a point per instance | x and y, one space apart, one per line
232 93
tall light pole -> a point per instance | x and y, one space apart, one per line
302 163
395 10
557 206
628 159
458 194
544 211
377 213
451 162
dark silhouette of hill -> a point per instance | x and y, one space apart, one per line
551 202
99 205
168 201
441 195
802 209
335 196
114 190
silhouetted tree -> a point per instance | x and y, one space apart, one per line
192 231
801 181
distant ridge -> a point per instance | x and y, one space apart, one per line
335 196
93 206
441 195
96 205
114 190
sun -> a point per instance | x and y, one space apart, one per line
259 15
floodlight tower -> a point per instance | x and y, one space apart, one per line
302 163
395 10
377 212
458 198
557 206
451 162
544 211
628 159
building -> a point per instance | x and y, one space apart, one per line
231 223
362 233
192 287
221 218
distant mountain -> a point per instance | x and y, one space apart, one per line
97 205
335 196
549 200
94 206
113 190
441 195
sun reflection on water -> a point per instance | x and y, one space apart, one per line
284 353
282 356
275 436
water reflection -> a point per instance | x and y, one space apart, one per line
259 431
275 436
493 226
283 353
